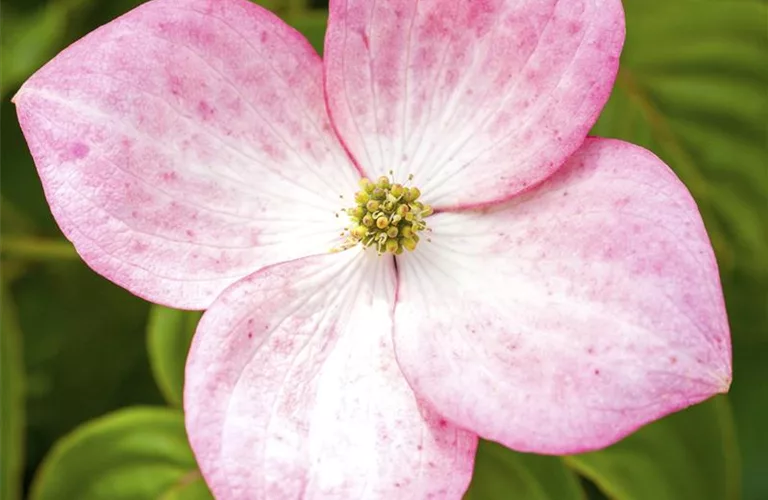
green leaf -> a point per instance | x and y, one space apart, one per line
749 398
501 473
692 89
29 40
13 220
746 299
691 454
169 334
137 453
312 25
11 401
84 350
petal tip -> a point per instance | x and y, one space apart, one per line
19 93
723 381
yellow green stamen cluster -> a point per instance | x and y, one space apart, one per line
387 216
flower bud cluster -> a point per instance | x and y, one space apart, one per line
387 216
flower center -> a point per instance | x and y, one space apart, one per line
387 216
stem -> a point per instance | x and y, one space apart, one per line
33 248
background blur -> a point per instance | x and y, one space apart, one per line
91 376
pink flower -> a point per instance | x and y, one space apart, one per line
563 294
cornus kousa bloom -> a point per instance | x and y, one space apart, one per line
401 247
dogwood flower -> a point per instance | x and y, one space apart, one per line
401 247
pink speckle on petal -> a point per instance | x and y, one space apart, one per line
75 151
169 176
205 110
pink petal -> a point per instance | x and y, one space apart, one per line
565 319
292 391
479 99
185 145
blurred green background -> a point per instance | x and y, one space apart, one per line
91 376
